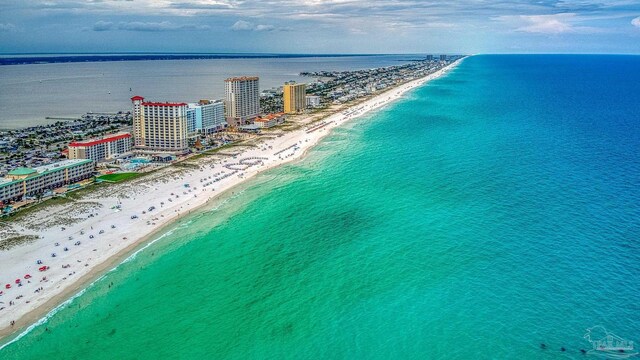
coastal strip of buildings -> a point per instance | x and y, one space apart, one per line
26 182
162 131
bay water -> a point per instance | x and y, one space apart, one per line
31 93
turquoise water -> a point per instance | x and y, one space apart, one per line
491 211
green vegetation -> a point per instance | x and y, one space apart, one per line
12 240
217 150
118 177
27 211
78 194
184 164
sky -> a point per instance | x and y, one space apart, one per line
320 26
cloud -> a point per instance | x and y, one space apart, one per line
103 26
546 24
380 25
636 22
242 25
264 28
146 26
203 5
8 27
158 26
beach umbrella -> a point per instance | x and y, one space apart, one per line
18 281
8 286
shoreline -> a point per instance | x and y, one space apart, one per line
291 146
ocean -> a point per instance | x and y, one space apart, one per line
489 212
30 93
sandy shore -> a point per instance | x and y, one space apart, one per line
98 230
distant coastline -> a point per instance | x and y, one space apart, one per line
30 59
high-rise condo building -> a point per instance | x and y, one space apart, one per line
294 97
159 127
241 99
138 136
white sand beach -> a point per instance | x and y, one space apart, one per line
102 231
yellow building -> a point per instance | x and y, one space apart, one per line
294 97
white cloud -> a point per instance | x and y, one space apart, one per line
158 26
242 25
146 26
636 22
546 24
8 27
102 26
264 28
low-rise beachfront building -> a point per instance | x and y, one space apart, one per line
101 149
159 127
269 121
206 117
313 101
22 182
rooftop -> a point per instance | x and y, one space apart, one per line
293 83
202 103
21 171
60 164
242 78
163 104
105 139
269 117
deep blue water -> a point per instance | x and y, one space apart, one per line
490 211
